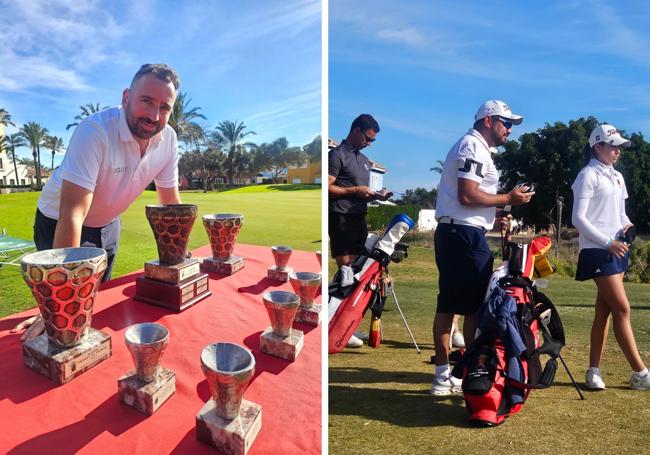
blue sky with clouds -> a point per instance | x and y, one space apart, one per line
422 68
253 61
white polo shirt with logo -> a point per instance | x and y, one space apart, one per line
469 158
602 188
103 157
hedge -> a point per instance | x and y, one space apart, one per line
379 217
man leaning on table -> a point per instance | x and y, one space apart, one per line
112 156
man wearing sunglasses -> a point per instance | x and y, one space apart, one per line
465 211
349 193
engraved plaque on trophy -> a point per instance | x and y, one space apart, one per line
222 230
227 421
280 271
149 385
64 282
173 281
306 285
280 339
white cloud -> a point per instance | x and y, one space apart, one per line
54 44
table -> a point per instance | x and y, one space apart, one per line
86 416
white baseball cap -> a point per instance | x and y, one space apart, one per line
608 134
499 108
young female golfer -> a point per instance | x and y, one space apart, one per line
599 215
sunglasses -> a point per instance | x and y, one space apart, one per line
506 123
367 138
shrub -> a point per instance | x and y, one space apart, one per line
379 217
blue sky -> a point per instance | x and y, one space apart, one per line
422 68
253 61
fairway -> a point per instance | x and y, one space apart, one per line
273 214
379 399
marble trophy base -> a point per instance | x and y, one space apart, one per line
62 364
176 297
286 348
277 274
227 267
310 315
146 397
232 437
172 274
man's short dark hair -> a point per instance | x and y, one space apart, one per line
161 71
365 122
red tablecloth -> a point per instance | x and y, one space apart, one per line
85 415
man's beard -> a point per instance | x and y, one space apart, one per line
135 125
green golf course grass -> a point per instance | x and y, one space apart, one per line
379 399
273 214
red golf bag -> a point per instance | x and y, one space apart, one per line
503 363
350 297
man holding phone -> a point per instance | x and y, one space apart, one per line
465 211
349 193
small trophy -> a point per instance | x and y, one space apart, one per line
306 285
280 271
222 230
173 281
227 421
64 282
279 339
150 385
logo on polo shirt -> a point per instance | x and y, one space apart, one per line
119 169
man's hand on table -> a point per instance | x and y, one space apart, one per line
34 326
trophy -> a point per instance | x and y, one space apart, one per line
280 271
279 339
306 285
222 230
227 421
319 256
64 282
173 281
150 385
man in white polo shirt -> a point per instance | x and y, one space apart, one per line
465 211
112 156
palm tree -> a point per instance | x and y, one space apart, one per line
182 117
86 111
10 144
230 135
55 144
35 134
5 118
438 168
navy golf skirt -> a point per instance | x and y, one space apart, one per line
597 262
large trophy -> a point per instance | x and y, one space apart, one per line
280 271
227 421
222 230
150 385
279 339
306 285
173 281
64 282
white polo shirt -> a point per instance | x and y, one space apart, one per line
599 195
103 157
469 158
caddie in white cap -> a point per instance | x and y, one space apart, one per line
465 210
605 234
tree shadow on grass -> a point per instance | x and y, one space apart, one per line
294 187
403 408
